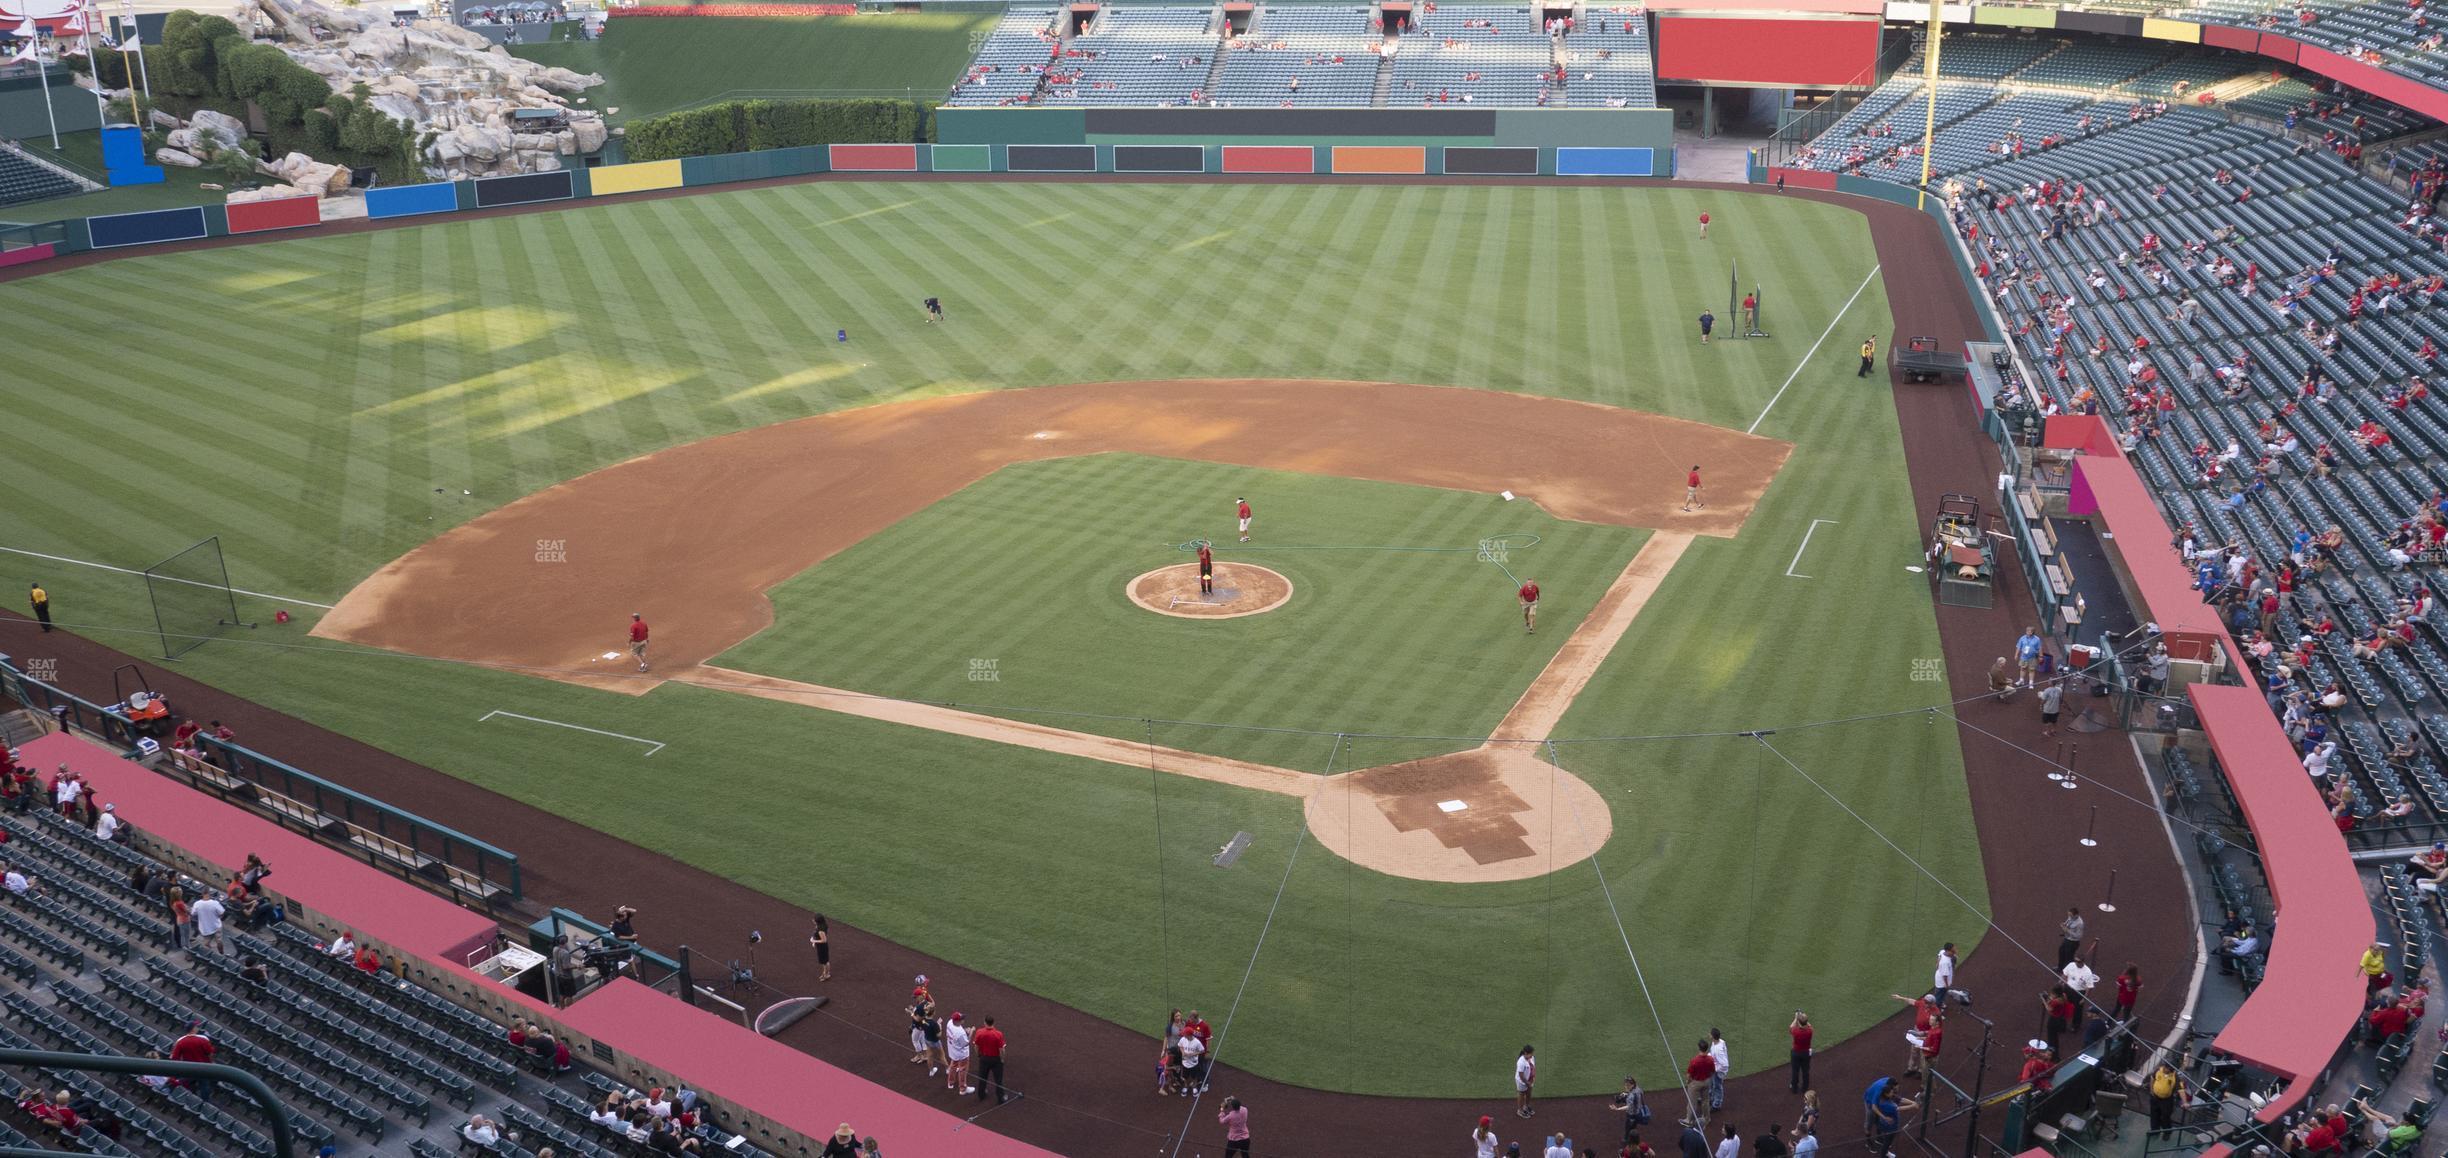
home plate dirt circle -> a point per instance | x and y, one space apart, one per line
1494 813
1240 589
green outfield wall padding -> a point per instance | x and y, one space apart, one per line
1011 126
1314 142
961 158
1596 128
723 167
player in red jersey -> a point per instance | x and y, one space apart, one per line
1243 507
637 638
1206 569
1529 600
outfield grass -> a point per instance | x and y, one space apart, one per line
304 399
656 66
1027 568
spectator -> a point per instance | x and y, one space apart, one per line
2237 949
181 931
822 939
956 1055
1889 1112
252 876
1807 1123
1769 1145
1558 1146
1525 1073
2057 1008
258 978
54 1115
481 1132
368 961
2374 967
1729 1144
1483 1138
1696 1075
989 1044
1871 1095
2079 976
344 947
1235 1119
2069 937
2128 990
1806 1142
108 826
1693 1143
16 881
195 1046
1193 1054
1633 1107
1942 980
844 1143
154 1082
1798 1064
208 913
624 927
1723 1064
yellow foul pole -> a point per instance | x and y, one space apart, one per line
1929 120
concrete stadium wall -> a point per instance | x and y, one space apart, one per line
22 117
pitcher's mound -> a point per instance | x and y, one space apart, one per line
1240 589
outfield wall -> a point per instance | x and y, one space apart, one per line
1601 144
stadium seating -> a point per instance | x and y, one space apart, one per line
1467 54
1609 61
1011 63
1302 55
87 965
1138 56
24 180
2293 206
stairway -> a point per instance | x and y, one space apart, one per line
1223 48
1384 91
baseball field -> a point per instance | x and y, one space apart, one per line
899 672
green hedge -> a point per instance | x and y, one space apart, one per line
748 126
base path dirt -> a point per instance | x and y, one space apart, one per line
694 536
1236 589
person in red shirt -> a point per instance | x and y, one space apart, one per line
1196 1026
1696 1074
2039 1066
2128 990
1704 219
1529 602
2388 1021
182 738
988 1044
368 961
193 1046
637 638
1691 489
1206 556
1242 508
1798 1076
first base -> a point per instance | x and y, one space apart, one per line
1508 495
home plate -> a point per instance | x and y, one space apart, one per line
611 655
1451 806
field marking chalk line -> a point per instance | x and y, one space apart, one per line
167 578
1841 311
1551 694
1806 536
652 746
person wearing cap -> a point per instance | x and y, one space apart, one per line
2431 867
921 1010
988 1044
843 1144
1483 1138
956 1055
1234 1117
107 827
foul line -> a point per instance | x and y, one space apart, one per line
164 578
1806 355
1224 1033
652 746
1797 559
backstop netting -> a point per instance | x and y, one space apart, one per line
191 596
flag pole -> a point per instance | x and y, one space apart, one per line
44 69
144 72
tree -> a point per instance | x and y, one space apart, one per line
236 163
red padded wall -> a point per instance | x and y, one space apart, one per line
1770 52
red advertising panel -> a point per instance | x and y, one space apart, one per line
886 158
2278 47
1767 51
1804 178
283 213
2239 39
2379 82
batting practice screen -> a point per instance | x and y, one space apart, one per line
191 597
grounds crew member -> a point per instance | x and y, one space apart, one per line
41 600
1869 353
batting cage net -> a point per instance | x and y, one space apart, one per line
191 596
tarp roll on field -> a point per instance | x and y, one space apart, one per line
1771 51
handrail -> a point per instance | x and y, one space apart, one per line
284 1139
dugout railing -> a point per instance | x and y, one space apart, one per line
474 872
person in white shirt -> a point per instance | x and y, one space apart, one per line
343 947
108 827
658 1105
1559 1146
1942 980
1729 1146
17 882
956 1055
1717 1053
1525 1074
609 1118
207 915
481 1131
1806 1146
2079 977
1194 1063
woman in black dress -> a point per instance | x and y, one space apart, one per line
822 938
